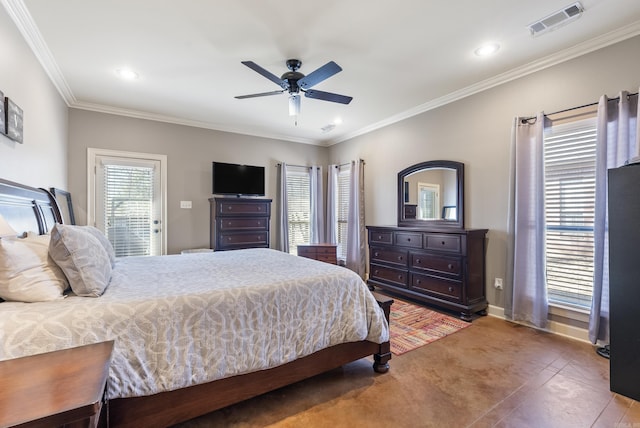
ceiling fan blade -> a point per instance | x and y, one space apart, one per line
315 77
262 94
327 96
275 79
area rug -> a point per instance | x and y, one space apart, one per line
413 326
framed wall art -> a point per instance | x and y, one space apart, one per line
3 122
13 115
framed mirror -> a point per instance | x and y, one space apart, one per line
431 194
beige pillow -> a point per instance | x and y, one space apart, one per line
82 258
27 273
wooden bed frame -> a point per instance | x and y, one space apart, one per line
29 209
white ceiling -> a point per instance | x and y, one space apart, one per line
399 58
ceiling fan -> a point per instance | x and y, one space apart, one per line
295 82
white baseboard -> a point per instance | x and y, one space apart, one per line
555 327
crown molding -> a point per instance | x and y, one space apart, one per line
25 24
27 27
578 50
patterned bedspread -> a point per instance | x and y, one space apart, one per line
180 320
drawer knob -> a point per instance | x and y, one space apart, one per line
443 242
375 272
400 258
259 208
418 282
376 254
450 289
229 208
418 261
408 239
380 237
450 266
400 277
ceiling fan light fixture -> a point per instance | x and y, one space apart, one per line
294 104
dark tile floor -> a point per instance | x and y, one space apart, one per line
492 374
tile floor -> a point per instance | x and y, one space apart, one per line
493 374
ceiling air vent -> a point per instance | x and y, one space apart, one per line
556 19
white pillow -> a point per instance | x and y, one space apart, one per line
27 273
82 258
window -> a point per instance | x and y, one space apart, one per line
126 200
344 183
299 207
569 176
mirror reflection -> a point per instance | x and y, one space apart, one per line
431 194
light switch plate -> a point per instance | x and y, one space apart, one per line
185 204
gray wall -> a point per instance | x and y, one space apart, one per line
190 152
41 161
477 131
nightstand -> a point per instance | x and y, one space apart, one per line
55 388
322 252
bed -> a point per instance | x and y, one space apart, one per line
198 332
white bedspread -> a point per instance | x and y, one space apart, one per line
185 319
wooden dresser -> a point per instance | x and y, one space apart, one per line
239 223
323 252
445 268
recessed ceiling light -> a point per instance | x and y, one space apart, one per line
487 49
337 121
126 73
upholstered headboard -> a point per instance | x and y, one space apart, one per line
28 209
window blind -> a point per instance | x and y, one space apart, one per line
299 207
128 202
569 174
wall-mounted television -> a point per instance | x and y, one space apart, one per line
239 180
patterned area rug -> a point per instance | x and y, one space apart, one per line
413 326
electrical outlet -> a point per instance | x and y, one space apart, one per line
185 204
497 283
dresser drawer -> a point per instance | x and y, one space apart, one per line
388 274
408 239
327 258
243 208
438 287
388 255
441 264
450 243
242 240
377 237
243 223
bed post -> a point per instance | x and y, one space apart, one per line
382 357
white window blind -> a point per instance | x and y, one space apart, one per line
569 171
299 207
127 195
344 183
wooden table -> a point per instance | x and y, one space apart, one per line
55 388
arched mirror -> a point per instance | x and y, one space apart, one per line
431 194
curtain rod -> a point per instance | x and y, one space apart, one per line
527 119
297 166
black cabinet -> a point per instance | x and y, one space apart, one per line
624 280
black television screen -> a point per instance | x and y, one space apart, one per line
234 179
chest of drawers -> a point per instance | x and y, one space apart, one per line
323 252
239 223
442 268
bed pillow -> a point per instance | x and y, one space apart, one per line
82 258
27 273
103 241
